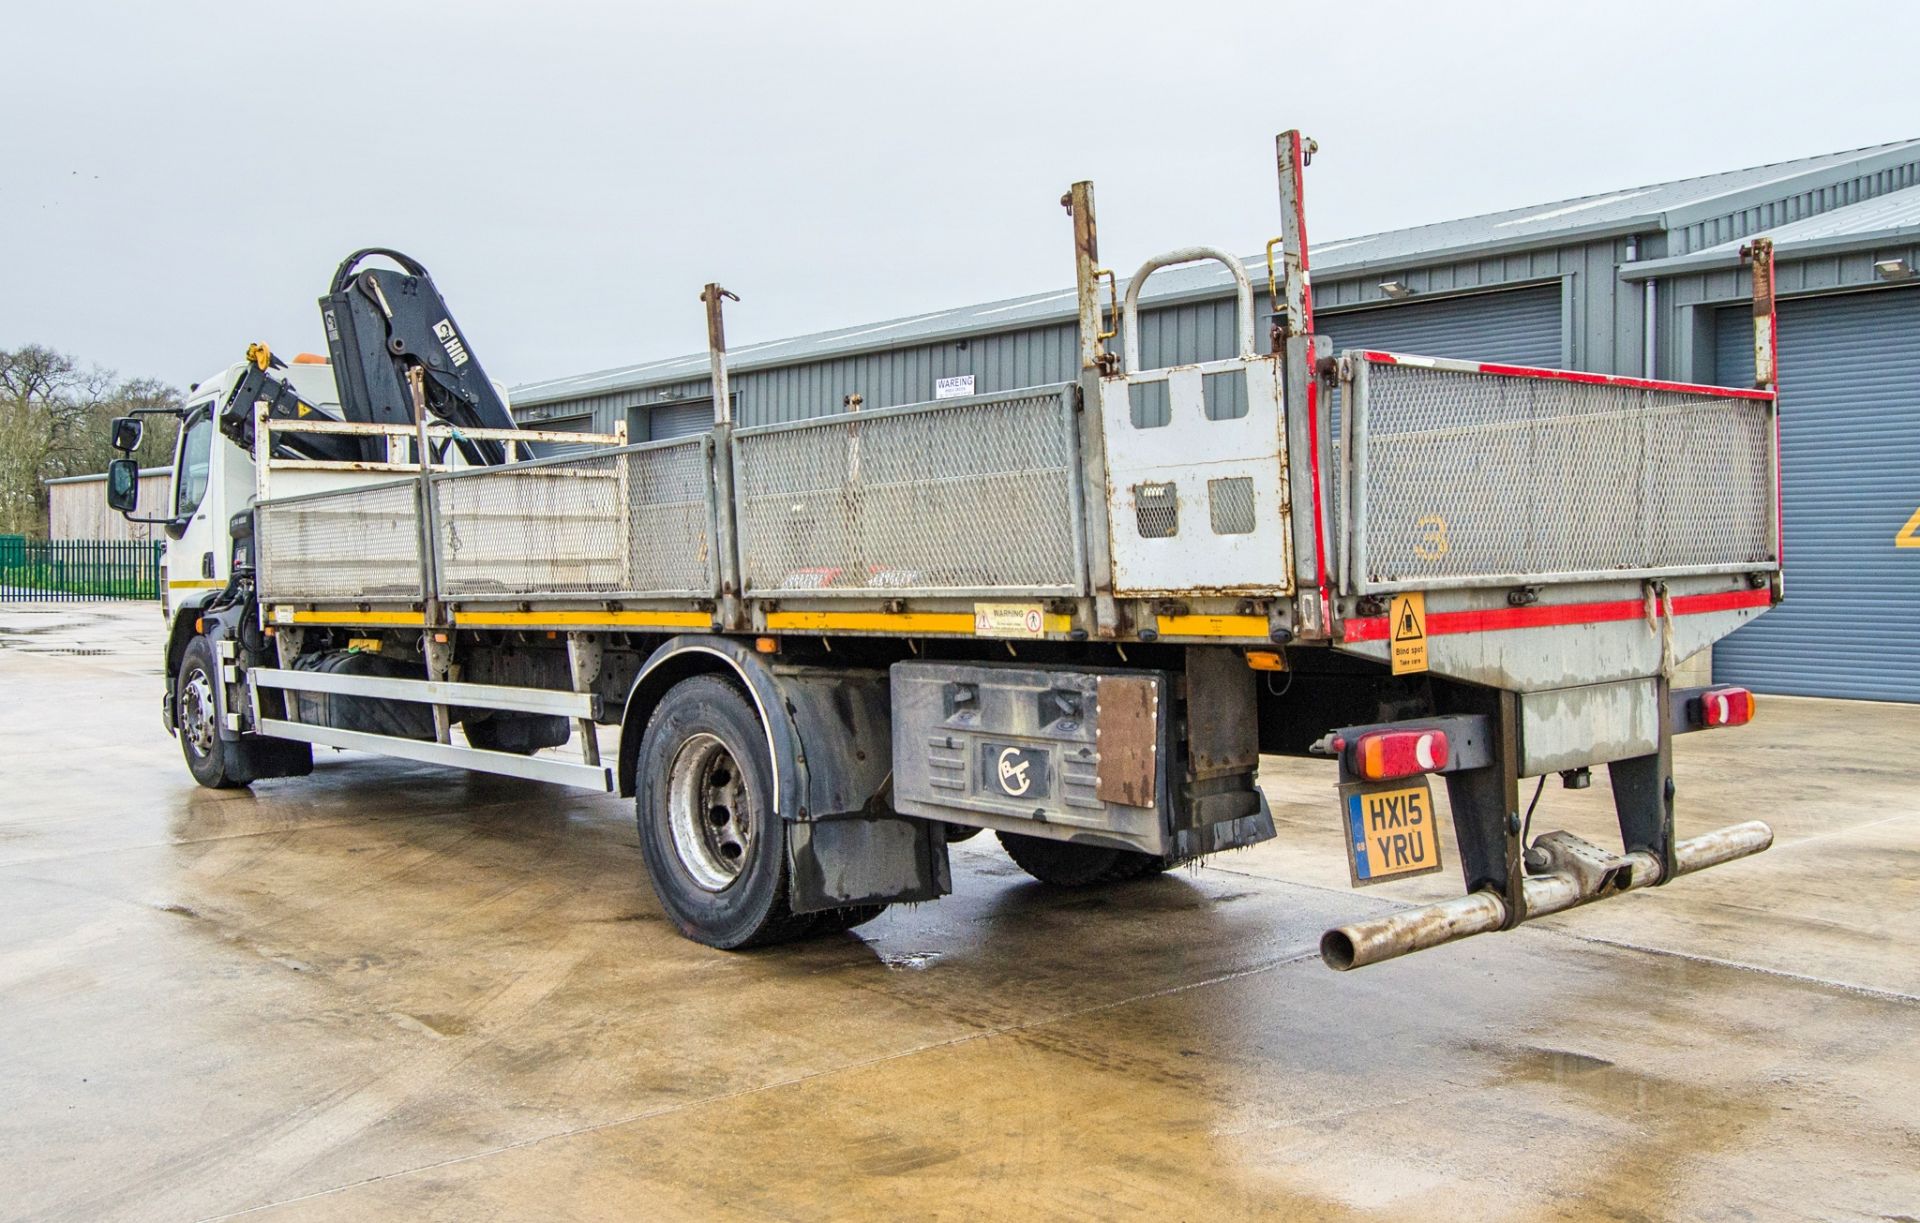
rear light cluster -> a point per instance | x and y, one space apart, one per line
1380 755
1724 707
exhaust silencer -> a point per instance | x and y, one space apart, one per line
1576 873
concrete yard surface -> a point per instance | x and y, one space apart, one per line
398 991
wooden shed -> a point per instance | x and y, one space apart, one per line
77 507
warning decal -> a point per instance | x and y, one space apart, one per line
1008 620
1407 632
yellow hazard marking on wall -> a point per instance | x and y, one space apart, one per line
1407 632
1909 536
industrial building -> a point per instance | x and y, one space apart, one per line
1643 280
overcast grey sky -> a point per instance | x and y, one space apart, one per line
178 179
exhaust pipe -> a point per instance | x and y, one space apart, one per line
1576 873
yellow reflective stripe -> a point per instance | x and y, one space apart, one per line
1213 626
625 619
873 622
382 619
197 584
891 622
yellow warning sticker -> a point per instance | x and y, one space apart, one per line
1008 620
1407 632
1909 536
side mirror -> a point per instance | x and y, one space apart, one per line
127 432
123 480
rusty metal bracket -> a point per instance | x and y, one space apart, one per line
1759 255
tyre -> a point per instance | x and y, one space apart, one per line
1068 865
196 717
715 848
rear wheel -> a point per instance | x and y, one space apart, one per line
1069 865
715 848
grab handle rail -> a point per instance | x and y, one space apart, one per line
1242 287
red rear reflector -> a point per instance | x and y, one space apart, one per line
1382 754
1726 707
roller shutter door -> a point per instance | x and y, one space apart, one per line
1514 327
1511 326
1850 458
680 419
571 424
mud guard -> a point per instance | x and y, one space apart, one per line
830 741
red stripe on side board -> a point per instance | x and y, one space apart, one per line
1574 375
1501 619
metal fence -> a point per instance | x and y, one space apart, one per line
970 496
70 570
1460 477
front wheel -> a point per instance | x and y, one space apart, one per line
715 848
196 716
216 763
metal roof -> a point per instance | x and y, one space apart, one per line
1884 219
1633 210
101 475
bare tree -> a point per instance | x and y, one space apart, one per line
54 417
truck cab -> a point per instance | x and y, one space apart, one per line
213 480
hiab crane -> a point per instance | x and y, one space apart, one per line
384 328
832 646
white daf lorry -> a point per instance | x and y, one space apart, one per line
1075 615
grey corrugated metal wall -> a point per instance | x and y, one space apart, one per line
1850 458
1811 202
1523 326
1603 330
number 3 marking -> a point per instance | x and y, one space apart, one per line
1433 545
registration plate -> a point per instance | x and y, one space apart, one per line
1391 833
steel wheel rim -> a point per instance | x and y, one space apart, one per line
196 712
707 812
